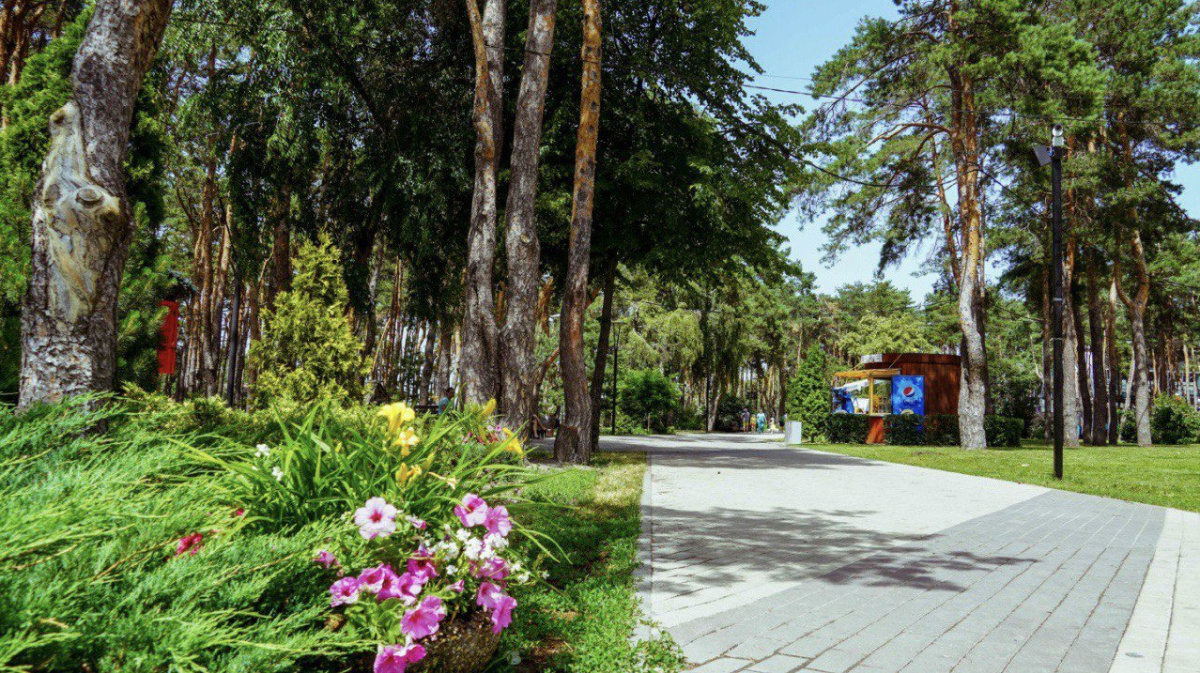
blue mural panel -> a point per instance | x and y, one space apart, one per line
908 395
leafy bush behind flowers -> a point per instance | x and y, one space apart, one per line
154 545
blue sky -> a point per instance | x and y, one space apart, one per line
792 38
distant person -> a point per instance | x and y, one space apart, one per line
745 419
762 422
447 400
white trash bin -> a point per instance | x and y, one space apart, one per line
792 432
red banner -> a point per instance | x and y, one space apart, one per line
170 338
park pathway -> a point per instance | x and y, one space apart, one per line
770 559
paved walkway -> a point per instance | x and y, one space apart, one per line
767 559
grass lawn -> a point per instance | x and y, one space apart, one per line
1167 475
584 624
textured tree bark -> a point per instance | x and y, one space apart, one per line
1136 305
519 366
965 148
479 357
572 444
1072 395
281 251
600 364
82 222
1114 363
427 361
1100 363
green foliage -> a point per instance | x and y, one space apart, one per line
1003 432
847 428
904 429
1173 421
729 413
308 349
648 396
87 574
885 334
808 398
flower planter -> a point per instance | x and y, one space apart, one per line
462 645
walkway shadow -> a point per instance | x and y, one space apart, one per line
720 547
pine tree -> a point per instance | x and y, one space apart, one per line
308 349
808 394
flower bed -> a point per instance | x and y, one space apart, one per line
330 541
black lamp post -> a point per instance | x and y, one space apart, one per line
1053 155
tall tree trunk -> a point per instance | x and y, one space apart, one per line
1100 364
519 366
427 362
965 141
281 250
1136 305
572 444
445 357
82 222
600 364
1072 395
1113 362
479 358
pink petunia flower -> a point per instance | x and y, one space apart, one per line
494 569
419 524
497 521
375 519
189 544
502 613
423 568
406 587
423 620
345 591
374 579
472 512
395 658
487 595
458 587
326 559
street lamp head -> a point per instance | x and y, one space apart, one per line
1057 134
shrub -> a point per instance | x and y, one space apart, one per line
648 396
308 350
941 430
1003 432
729 411
1173 421
808 398
904 429
847 428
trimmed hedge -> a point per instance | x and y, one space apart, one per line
932 430
941 430
848 428
904 429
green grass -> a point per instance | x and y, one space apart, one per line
1167 475
582 621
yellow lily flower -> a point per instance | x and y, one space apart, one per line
398 414
406 474
406 439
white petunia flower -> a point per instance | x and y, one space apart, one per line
263 450
277 473
473 549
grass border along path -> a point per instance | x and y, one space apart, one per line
1167 475
585 623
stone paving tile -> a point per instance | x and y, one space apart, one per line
791 560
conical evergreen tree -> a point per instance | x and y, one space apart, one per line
308 350
808 394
